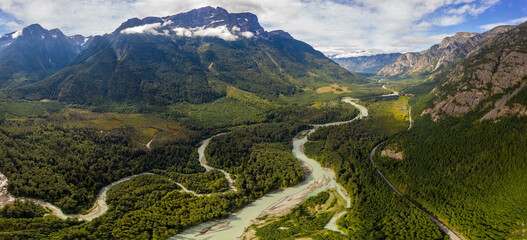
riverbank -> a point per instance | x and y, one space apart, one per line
320 179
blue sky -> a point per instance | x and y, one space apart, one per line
335 27
502 12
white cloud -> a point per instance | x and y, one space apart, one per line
147 28
359 24
247 34
152 28
219 32
474 9
182 32
450 20
490 26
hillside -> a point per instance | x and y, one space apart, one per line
486 79
464 159
189 57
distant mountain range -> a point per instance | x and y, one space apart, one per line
189 57
450 50
34 53
367 64
471 71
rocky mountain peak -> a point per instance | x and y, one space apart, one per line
449 50
456 40
202 22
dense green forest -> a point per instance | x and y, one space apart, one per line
259 156
22 209
376 212
73 158
151 206
68 166
208 182
470 174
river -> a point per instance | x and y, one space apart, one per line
99 207
319 180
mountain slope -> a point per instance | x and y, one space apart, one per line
34 53
464 159
189 57
486 79
450 50
367 64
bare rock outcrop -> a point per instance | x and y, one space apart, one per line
495 67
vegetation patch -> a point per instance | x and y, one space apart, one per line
333 88
306 220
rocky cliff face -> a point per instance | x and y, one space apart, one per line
437 57
493 71
403 64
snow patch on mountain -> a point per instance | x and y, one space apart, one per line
16 34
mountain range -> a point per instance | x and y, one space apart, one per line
146 108
470 71
367 64
34 53
188 57
450 50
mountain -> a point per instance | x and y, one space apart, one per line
34 53
367 64
189 57
437 57
488 79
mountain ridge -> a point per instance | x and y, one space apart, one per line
175 59
438 56
33 53
367 64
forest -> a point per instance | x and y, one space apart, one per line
376 212
470 174
259 156
75 159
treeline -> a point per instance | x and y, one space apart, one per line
470 174
376 212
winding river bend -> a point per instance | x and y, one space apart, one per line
203 162
99 207
319 180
